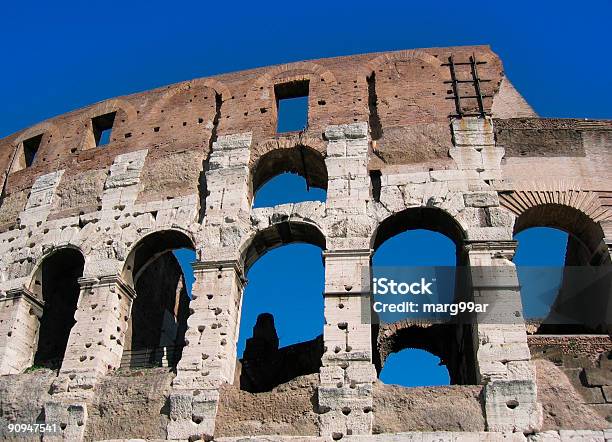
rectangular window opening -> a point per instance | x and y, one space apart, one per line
291 106
102 128
376 181
30 148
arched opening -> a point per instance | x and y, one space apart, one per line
287 188
289 175
431 370
281 325
585 241
159 273
564 270
415 350
57 283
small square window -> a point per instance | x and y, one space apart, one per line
30 148
26 153
292 106
102 128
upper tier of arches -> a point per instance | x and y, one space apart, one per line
196 111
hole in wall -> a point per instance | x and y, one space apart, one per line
512 404
102 126
30 148
292 106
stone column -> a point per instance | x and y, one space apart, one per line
209 357
41 198
20 313
347 374
228 177
95 346
500 340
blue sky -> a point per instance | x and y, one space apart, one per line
64 55
59 56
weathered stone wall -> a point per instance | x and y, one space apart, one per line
386 143
131 404
176 123
585 361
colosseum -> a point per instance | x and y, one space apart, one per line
433 138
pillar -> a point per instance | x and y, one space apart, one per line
94 347
95 344
347 374
500 340
20 313
209 356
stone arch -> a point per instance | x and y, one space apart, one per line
108 106
577 212
55 283
211 83
287 141
580 214
432 338
451 342
264 364
289 156
151 246
47 252
155 334
296 71
406 55
429 218
280 233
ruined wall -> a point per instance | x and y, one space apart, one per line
395 149
264 365
585 361
131 404
177 123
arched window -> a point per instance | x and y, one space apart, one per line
289 175
559 260
57 282
282 320
159 272
418 352
414 368
287 188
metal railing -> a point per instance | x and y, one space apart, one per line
151 357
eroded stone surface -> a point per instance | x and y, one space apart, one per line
180 170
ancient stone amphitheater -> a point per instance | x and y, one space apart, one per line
430 138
